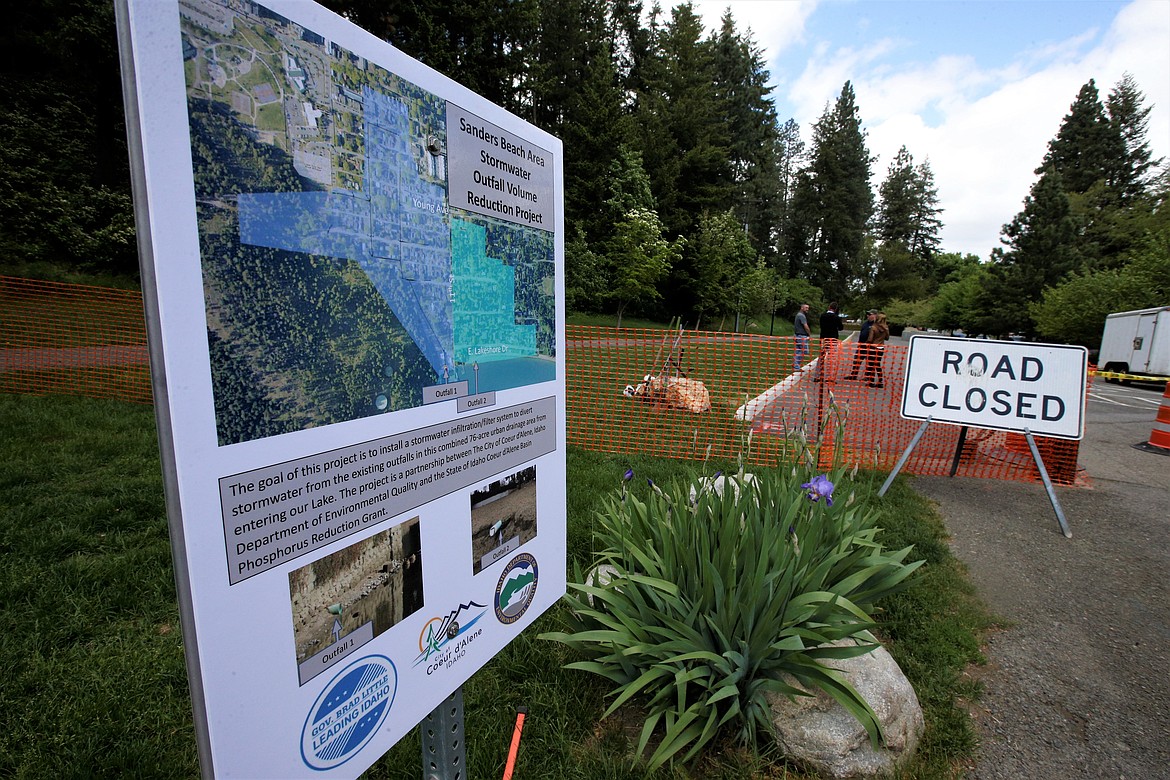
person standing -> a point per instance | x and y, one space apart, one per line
830 338
831 323
862 344
879 334
802 333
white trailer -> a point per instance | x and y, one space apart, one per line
1137 342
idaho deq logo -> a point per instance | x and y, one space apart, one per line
516 588
349 711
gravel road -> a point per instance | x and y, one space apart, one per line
1078 684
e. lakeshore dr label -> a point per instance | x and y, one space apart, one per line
274 514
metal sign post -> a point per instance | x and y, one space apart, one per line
444 747
905 456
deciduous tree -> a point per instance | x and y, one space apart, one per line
722 259
638 258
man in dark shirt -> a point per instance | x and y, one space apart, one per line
831 323
830 336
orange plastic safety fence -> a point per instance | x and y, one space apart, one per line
676 394
72 339
694 395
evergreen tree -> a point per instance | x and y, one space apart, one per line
576 97
1115 214
605 268
897 276
1086 212
585 273
1041 243
1088 148
925 241
684 142
790 158
628 186
1130 120
833 201
482 44
897 210
631 46
750 118
907 225
65 188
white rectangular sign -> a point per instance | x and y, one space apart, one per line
1004 385
353 270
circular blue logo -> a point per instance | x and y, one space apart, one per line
516 588
349 711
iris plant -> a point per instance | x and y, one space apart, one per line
819 488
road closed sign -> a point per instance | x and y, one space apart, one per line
1004 385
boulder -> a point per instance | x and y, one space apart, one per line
600 576
716 485
820 734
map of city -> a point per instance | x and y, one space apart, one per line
339 280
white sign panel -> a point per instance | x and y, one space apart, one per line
353 270
1004 385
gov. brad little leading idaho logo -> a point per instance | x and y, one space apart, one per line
349 711
516 588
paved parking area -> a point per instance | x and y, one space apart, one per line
1078 684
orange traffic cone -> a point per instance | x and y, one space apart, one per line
1160 437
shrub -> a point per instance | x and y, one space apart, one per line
719 597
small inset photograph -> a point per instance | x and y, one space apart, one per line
343 600
503 517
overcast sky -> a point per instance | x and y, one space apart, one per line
977 88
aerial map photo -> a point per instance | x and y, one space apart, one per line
339 280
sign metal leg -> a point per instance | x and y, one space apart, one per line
1047 483
905 456
959 450
444 747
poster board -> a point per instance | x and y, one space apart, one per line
353 274
1002 385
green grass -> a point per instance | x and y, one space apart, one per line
94 682
763 326
59 272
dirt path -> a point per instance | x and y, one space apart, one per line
1079 685
58 358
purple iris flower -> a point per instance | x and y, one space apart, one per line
628 475
820 487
